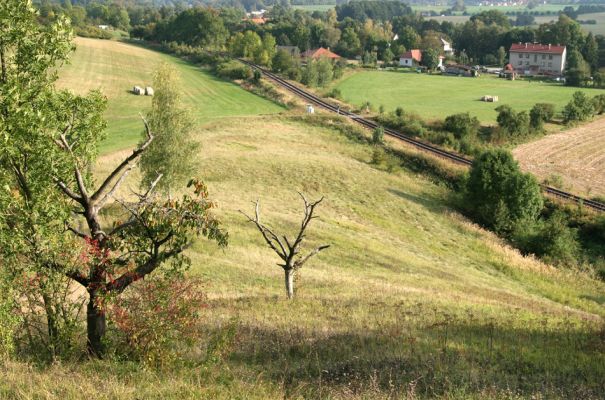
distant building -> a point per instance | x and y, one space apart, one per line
104 27
259 21
410 58
446 47
535 58
321 52
413 58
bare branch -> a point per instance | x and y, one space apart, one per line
72 195
299 263
125 165
77 232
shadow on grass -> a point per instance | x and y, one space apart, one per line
432 204
479 359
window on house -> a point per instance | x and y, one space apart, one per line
527 56
550 56
550 64
526 62
520 62
544 56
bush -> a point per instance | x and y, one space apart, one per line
556 242
335 94
515 124
580 108
9 321
541 113
234 70
158 318
462 125
92 32
499 194
378 135
599 104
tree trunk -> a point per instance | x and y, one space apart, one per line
289 283
96 326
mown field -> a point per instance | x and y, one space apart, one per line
115 67
436 96
411 300
576 155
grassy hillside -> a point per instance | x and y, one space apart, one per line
116 67
436 96
410 300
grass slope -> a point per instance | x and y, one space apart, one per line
410 301
437 96
115 67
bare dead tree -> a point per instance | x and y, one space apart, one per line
289 251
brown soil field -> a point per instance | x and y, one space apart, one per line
576 155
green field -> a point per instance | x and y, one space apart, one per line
437 96
477 9
116 67
409 289
411 301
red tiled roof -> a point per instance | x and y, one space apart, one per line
317 53
258 21
536 48
414 54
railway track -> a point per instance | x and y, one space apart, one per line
451 156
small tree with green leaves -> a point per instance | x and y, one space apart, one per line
539 114
580 108
378 135
56 214
500 195
462 125
172 152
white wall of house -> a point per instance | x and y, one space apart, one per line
554 63
407 62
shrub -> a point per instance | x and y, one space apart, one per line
94 32
9 320
234 70
599 104
378 135
462 125
556 242
541 113
159 317
580 108
515 124
499 194
335 94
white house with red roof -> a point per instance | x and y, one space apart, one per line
536 58
413 58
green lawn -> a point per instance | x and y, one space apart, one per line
437 96
410 301
477 9
116 67
314 7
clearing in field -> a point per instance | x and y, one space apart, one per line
437 96
410 298
115 67
576 155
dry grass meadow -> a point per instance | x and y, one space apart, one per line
412 301
577 155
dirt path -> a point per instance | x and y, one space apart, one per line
577 155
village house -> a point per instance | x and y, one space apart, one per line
413 58
410 58
536 58
318 53
446 47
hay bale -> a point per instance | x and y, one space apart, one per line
148 91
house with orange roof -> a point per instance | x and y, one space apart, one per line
318 53
413 58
